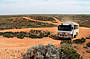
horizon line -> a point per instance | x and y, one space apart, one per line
49 14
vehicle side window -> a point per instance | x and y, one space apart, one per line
75 26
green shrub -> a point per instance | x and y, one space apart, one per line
66 41
53 36
88 44
31 34
34 34
1 33
88 37
43 52
46 34
69 52
88 50
85 47
77 41
41 35
22 23
21 35
76 47
38 34
82 40
35 31
81 57
74 56
43 18
8 34
66 46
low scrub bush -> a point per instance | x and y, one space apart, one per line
1 33
66 41
53 36
88 50
46 34
81 57
43 18
8 34
43 52
41 35
66 46
21 35
20 22
76 47
85 47
82 40
77 41
33 36
88 44
38 34
69 52
51 52
88 37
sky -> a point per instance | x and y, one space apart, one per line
11 7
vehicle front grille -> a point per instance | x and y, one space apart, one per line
63 34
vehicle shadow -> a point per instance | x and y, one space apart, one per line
63 39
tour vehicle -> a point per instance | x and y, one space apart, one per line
68 30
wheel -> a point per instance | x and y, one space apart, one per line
75 36
70 38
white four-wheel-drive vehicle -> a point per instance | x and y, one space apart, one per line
68 30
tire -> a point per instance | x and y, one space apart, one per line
75 36
70 38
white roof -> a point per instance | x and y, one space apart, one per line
69 23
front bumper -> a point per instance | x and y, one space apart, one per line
64 37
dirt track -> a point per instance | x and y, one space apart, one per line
57 21
12 47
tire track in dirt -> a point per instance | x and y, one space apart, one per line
57 21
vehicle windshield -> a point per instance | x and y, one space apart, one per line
65 27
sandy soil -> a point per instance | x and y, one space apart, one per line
11 48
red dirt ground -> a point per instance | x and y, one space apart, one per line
10 48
